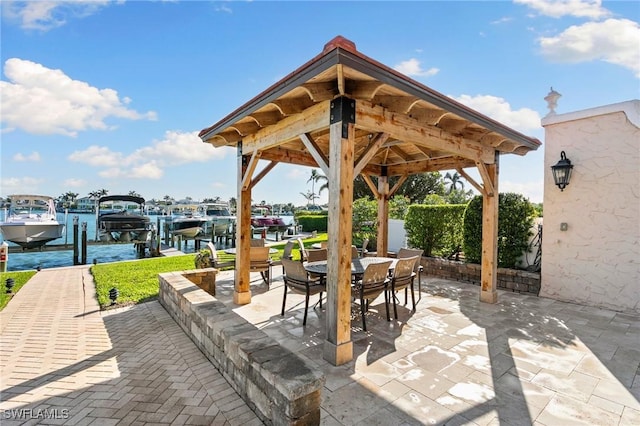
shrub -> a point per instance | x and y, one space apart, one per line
516 215
436 229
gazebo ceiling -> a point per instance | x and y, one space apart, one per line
400 124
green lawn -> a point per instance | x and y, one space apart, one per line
20 278
137 280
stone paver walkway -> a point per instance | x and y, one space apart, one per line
63 361
456 361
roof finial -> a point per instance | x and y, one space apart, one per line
341 42
552 101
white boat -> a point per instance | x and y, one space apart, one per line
121 219
31 221
220 222
187 225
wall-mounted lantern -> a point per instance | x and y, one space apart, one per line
562 171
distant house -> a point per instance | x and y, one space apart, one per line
86 204
591 239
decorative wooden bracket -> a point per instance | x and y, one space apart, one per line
316 153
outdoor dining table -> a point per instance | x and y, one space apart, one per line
232 250
357 265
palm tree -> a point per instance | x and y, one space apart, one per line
134 194
310 196
317 177
454 179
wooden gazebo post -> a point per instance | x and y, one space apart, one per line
242 291
338 348
490 198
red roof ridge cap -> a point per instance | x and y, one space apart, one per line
340 41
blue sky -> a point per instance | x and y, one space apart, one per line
104 94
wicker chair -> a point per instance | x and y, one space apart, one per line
402 279
374 282
298 280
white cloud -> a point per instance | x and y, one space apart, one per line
34 156
175 149
413 68
534 191
74 183
21 185
614 41
524 119
591 9
41 100
46 15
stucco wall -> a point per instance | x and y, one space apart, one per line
596 261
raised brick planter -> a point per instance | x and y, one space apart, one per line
281 387
508 279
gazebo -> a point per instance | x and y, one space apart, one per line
350 115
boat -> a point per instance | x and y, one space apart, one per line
31 221
262 218
187 224
121 219
220 221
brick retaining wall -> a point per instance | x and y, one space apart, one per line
508 279
281 387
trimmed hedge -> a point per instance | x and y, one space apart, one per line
313 221
436 229
515 219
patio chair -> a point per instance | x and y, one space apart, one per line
215 260
260 261
302 249
315 255
374 282
298 280
407 252
355 253
258 242
403 277
287 252
363 250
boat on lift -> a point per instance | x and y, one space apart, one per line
121 219
31 221
262 218
187 224
220 221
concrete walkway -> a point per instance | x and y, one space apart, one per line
63 361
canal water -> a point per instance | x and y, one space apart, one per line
96 252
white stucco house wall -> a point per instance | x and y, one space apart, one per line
591 238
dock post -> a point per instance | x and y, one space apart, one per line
75 241
84 243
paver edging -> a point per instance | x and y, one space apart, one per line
281 387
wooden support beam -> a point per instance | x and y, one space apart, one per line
338 348
398 184
487 179
469 179
263 173
488 274
242 291
314 118
247 170
316 152
369 152
370 184
382 244
405 128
